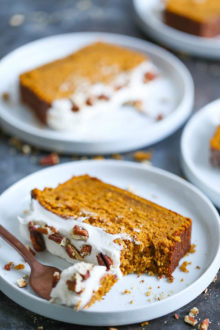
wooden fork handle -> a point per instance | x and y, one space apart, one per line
15 243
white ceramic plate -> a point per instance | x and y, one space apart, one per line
149 14
195 153
154 184
139 131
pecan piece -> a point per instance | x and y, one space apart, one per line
72 251
190 320
90 101
43 230
85 250
149 76
80 233
36 238
204 324
51 159
56 278
75 107
57 238
86 275
104 260
9 266
72 286
103 97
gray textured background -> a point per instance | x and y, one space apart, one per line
44 18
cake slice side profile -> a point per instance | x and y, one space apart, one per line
200 18
85 219
215 148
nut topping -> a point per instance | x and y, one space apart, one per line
104 260
51 159
90 101
86 275
36 238
103 97
75 107
72 251
9 266
204 324
80 233
85 250
149 76
57 238
56 278
43 230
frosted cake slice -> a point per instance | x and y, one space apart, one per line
85 219
81 285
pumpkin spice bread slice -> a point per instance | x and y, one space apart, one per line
215 148
201 18
85 219
97 78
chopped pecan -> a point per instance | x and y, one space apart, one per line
86 275
51 159
90 101
9 266
22 283
36 238
149 76
190 320
204 324
80 233
72 251
104 260
43 230
75 107
72 286
56 278
160 117
103 97
85 250
57 238
53 229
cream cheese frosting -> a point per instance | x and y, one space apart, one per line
110 100
86 279
99 240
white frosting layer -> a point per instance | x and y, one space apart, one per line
99 239
153 96
61 293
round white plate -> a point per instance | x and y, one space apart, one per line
149 14
195 152
139 131
155 184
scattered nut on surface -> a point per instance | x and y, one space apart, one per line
190 320
21 283
5 96
19 266
204 324
51 159
9 266
194 311
126 291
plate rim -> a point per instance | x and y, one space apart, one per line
205 276
178 116
187 164
170 36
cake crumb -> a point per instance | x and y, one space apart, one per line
143 324
148 293
198 267
19 267
204 324
141 281
149 300
9 266
5 96
192 248
150 288
190 320
140 156
205 291
131 301
117 156
126 291
16 20
40 327
176 316
215 278
25 276
99 157
183 267
26 149
21 283
160 117
182 279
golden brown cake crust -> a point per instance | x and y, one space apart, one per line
159 237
